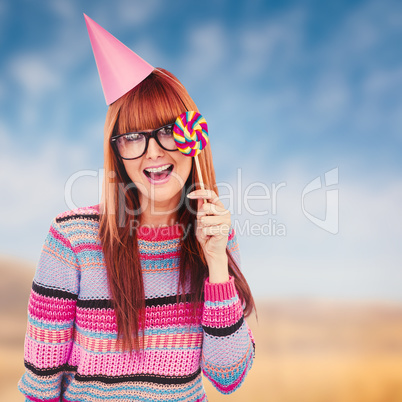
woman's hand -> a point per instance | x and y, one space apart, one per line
213 225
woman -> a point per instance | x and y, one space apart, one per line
134 298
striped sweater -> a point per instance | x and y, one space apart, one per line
71 347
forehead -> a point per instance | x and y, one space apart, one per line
144 123
150 130
146 113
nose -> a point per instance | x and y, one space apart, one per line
154 151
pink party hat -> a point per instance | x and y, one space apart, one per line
120 69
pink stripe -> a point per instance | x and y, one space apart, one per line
231 234
59 237
32 398
49 301
46 355
87 246
156 316
219 291
159 256
89 210
162 362
51 308
163 233
96 319
164 316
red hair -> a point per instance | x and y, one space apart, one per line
156 101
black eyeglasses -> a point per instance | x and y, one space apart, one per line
134 145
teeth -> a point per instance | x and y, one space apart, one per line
158 169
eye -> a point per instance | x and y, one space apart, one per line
166 131
133 137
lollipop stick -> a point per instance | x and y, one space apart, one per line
197 165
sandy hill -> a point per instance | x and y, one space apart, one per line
16 280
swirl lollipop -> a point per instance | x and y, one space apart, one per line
190 133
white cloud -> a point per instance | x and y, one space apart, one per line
379 108
353 54
381 81
4 139
349 87
146 49
33 188
33 182
64 9
314 112
276 41
34 74
45 65
207 51
364 31
137 12
331 96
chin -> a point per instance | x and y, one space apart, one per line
160 195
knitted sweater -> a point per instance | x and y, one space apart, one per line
71 348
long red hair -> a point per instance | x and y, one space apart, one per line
156 101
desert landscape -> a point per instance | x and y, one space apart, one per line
306 350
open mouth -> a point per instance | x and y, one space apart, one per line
160 173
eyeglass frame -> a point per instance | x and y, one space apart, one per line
148 135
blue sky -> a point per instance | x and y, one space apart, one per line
290 90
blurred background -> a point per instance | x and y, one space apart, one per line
304 106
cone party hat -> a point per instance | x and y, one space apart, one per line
120 69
